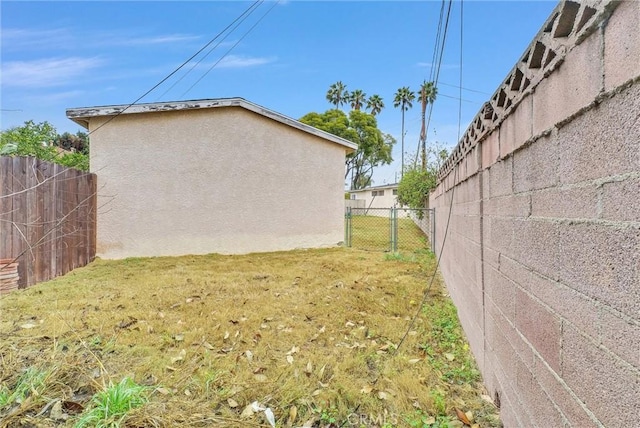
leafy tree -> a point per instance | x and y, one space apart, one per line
374 147
31 139
338 94
428 93
78 142
375 104
38 140
416 183
403 99
357 98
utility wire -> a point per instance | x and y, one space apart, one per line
434 76
174 71
254 7
446 230
275 3
425 294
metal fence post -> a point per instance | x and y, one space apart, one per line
432 221
394 229
347 228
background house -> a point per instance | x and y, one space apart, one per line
385 196
219 175
377 200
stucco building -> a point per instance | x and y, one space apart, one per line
218 175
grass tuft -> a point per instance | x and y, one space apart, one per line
111 406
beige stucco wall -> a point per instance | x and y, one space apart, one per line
222 180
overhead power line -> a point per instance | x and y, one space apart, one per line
253 8
275 3
177 69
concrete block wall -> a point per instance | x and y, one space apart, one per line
542 250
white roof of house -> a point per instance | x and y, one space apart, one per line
81 115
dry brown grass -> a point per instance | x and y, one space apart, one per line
313 331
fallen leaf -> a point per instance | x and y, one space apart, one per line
383 395
293 350
72 408
247 412
208 346
469 415
430 420
366 389
178 337
180 357
226 335
449 357
414 360
28 325
187 393
56 412
249 355
163 391
349 324
316 392
463 417
232 403
309 369
268 413
260 377
289 359
293 414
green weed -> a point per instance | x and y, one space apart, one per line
111 406
31 382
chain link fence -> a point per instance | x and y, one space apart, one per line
389 229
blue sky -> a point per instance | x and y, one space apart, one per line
59 55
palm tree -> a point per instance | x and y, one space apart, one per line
357 98
403 98
375 103
337 94
428 93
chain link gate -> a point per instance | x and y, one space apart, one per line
389 229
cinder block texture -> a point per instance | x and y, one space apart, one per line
517 127
536 166
603 142
622 45
616 204
540 326
491 149
601 262
607 385
574 85
543 259
567 202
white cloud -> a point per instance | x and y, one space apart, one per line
155 40
46 72
238 61
18 39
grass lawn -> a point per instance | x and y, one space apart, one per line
310 336
371 232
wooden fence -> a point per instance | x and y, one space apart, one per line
47 217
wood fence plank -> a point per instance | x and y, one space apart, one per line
19 219
48 219
6 207
47 193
